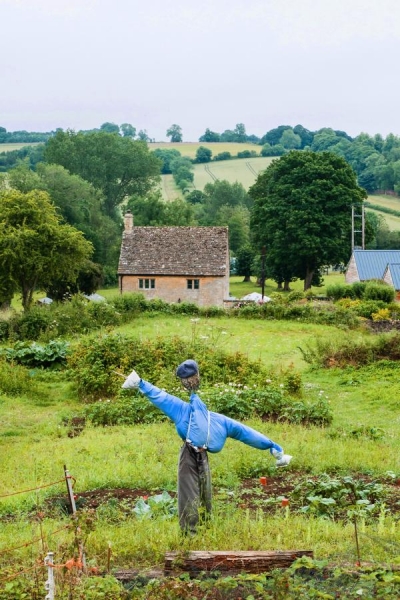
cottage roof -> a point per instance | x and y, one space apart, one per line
371 264
394 269
185 251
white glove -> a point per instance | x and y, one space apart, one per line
132 381
282 460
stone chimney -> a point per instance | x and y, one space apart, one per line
128 221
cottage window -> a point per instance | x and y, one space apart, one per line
193 284
147 284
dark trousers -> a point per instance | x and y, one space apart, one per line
194 488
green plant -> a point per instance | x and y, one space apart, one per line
334 496
37 355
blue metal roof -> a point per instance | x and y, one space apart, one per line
371 264
395 273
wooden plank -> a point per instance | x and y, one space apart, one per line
230 562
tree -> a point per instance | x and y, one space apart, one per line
109 128
154 211
274 135
166 157
128 130
203 154
210 136
175 133
290 140
78 203
244 263
302 213
142 135
118 166
35 247
240 133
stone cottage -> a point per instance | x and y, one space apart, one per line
175 264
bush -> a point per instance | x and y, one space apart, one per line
128 410
353 352
223 156
366 308
94 362
340 290
15 380
379 291
33 323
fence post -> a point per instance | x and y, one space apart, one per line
49 585
70 490
73 508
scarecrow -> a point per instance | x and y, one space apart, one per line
202 431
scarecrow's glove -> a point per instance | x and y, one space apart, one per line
282 460
132 381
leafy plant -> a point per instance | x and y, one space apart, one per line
333 497
37 355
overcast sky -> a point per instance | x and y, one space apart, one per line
210 63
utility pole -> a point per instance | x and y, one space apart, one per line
355 216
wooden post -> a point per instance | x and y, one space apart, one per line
230 562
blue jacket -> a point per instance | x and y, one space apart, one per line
203 428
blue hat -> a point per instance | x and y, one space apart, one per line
187 369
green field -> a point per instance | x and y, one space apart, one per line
18 146
243 170
190 148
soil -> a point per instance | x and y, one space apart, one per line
254 494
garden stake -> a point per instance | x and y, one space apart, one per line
108 557
49 585
358 563
73 508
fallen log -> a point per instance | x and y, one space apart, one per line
230 562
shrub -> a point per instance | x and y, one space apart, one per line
127 410
15 380
31 324
296 296
366 308
223 156
359 288
383 314
339 290
353 352
129 304
94 362
379 291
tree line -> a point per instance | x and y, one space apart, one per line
86 180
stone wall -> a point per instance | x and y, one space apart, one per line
212 290
352 273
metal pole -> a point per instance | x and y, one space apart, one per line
352 228
49 585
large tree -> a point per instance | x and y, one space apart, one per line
118 166
77 202
302 213
35 247
175 133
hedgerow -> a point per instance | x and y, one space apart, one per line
352 352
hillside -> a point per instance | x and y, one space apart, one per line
190 148
244 170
